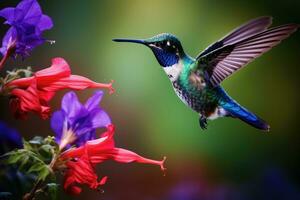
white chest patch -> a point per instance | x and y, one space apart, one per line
174 71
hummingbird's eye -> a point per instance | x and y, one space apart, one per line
168 43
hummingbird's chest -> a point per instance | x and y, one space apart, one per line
190 87
194 93
193 99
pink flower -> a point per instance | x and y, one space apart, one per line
33 94
81 161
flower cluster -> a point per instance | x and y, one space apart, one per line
75 150
32 94
76 124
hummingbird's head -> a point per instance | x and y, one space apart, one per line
166 48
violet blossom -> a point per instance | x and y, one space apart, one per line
77 123
27 25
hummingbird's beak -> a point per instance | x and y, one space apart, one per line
130 40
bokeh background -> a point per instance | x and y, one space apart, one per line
230 160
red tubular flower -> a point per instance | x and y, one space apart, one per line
81 171
80 161
23 101
42 87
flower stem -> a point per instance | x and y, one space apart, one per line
4 59
39 182
30 196
9 52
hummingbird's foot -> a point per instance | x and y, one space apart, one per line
203 122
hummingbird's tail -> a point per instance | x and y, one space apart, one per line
235 110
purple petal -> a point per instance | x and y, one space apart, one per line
3 50
26 29
82 123
57 123
8 14
85 124
18 15
10 37
30 8
45 23
33 21
94 101
85 137
28 40
70 105
31 41
99 118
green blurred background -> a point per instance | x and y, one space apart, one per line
230 160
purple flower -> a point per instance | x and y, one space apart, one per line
9 139
27 25
76 123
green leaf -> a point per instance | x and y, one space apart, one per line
47 148
34 157
52 190
51 141
27 145
47 152
43 173
13 157
28 162
36 168
37 140
24 161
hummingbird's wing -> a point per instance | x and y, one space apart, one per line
246 30
240 47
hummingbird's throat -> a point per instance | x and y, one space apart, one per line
174 71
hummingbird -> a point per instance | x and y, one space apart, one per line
196 81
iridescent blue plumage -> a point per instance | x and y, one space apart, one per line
234 109
197 81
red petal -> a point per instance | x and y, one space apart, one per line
75 190
76 82
123 156
28 101
103 180
58 69
81 172
58 77
104 143
20 83
103 149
